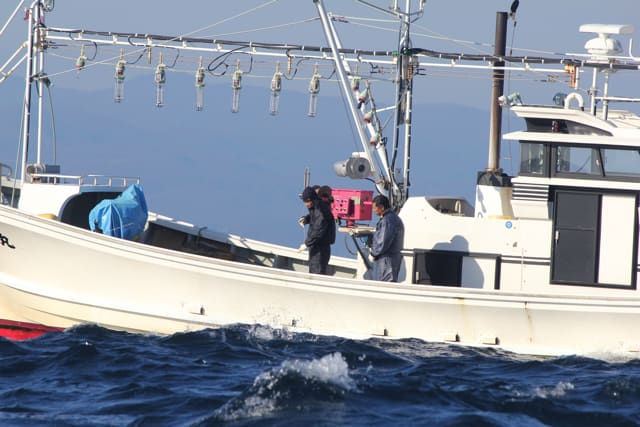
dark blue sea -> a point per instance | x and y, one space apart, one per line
250 375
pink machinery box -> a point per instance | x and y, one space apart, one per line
352 205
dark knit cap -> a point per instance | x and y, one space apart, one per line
309 194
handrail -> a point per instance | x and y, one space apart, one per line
86 180
9 170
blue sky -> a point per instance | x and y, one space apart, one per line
241 173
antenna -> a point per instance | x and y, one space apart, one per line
602 49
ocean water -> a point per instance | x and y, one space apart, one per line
252 375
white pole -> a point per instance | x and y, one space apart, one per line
40 46
342 74
27 95
605 94
334 43
16 65
593 91
407 112
11 17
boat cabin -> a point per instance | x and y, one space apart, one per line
574 204
583 173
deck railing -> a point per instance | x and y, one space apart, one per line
84 180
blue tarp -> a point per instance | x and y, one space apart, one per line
125 216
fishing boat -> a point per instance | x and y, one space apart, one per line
545 262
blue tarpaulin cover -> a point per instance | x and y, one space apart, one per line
124 216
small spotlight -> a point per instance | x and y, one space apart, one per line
559 98
510 100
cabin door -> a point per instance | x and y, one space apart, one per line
595 238
575 235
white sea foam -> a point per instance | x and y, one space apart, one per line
267 393
331 369
266 333
558 390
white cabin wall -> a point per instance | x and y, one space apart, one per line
482 238
616 239
531 209
478 273
493 202
524 246
526 266
39 198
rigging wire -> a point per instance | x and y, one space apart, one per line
18 151
434 35
222 21
273 27
13 14
354 138
482 47
53 127
47 83
403 42
142 50
346 18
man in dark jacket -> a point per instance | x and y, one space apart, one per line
387 242
322 231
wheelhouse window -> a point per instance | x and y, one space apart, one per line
578 160
533 159
562 126
575 161
620 162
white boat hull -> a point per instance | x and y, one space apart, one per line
59 275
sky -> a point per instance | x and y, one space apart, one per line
241 173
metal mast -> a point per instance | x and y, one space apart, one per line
26 121
403 103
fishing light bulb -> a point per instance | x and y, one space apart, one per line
355 83
375 139
200 87
161 79
81 61
363 97
236 85
118 95
314 89
276 87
